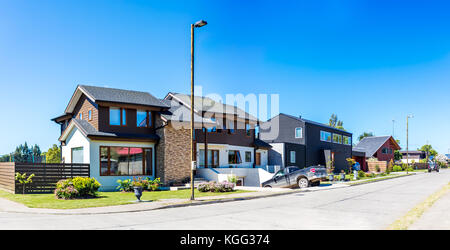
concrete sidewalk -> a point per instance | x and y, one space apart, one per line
13 207
435 218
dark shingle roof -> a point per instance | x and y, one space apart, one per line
262 144
314 123
370 145
88 130
121 96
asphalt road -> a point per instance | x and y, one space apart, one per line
369 206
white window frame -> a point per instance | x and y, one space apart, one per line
301 133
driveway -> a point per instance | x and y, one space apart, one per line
370 206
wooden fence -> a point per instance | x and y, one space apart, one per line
46 175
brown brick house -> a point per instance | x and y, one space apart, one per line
124 133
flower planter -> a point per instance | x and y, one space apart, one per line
138 192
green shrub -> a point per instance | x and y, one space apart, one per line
125 185
361 174
377 168
397 168
78 187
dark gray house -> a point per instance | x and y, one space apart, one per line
299 142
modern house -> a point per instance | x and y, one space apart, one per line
380 147
415 156
124 133
299 142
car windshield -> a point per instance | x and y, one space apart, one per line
279 173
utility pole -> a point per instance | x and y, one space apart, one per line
407 141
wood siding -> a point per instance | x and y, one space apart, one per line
7 179
83 106
386 157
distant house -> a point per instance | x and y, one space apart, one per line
415 156
300 142
380 147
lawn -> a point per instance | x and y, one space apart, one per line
104 199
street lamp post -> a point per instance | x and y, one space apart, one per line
407 141
198 24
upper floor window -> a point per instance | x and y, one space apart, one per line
231 126
143 119
298 132
386 151
256 131
325 136
80 116
90 115
337 138
117 116
248 129
347 140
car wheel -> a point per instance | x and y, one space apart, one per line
267 186
303 183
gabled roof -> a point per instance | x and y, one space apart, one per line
103 94
89 131
180 113
209 105
370 145
260 144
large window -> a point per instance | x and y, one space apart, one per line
298 133
337 138
77 155
117 116
143 119
347 140
234 157
325 136
213 158
119 161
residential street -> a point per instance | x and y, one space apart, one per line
369 206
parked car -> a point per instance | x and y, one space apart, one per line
295 177
433 167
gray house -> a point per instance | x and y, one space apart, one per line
300 142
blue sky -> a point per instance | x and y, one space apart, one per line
367 61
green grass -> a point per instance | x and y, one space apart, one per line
364 179
104 199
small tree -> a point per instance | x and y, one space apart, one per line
22 178
350 162
53 154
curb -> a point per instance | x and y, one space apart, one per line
381 179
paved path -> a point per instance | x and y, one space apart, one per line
370 206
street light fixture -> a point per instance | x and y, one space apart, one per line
407 141
198 24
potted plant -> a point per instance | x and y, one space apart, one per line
138 187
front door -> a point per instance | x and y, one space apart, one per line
258 159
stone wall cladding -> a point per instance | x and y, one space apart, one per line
173 154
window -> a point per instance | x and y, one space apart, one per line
248 156
325 136
234 157
80 116
212 129
117 117
77 155
248 129
337 138
292 156
298 132
231 126
279 173
90 115
386 151
124 161
347 140
213 158
143 119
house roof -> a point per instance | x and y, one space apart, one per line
180 113
412 152
103 94
209 105
370 145
89 131
313 122
262 144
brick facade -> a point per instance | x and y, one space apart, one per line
173 153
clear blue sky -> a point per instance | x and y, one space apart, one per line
367 61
